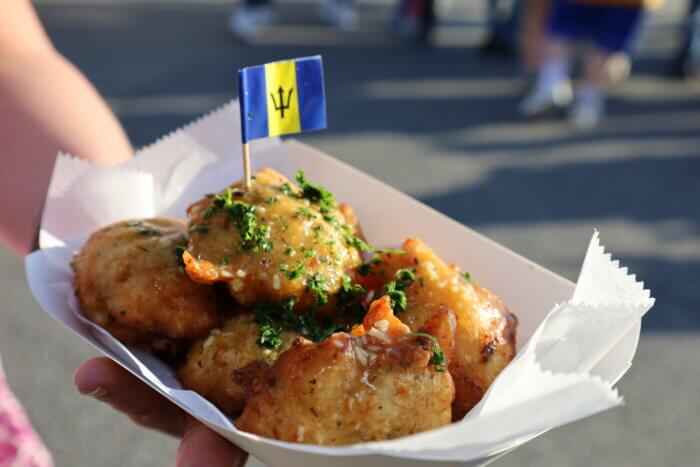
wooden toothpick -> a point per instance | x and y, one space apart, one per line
246 165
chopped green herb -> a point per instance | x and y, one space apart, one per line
395 289
317 286
438 359
313 192
271 200
327 216
199 229
282 317
356 242
348 291
254 236
304 211
308 252
468 277
393 251
297 272
365 268
290 251
269 336
286 188
283 267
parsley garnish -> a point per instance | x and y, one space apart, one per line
296 272
438 359
313 192
286 188
395 289
269 336
304 211
469 278
254 236
290 251
317 286
275 318
356 242
271 200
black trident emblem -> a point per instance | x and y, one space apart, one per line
282 106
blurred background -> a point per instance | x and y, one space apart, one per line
432 98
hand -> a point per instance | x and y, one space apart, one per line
106 381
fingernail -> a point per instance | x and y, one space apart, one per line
98 393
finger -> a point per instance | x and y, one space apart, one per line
201 446
106 381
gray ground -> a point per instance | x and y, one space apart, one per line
438 123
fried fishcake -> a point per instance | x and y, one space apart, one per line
272 241
129 280
485 335
210 362
377 384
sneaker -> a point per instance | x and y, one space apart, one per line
587 112
248 20
543 99
341 14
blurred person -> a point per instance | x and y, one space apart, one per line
255 15
535 14
687 62
503 22
610 25
47 105
414 20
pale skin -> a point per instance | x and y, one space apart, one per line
46 106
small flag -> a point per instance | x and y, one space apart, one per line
281 98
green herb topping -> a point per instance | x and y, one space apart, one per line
254 237
395 289
273 319
438 359
313 192
317 286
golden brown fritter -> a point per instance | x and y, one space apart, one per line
210 363
485 335
376 384
273 241
129 280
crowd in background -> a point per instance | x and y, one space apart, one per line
546 36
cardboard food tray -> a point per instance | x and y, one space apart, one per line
574 341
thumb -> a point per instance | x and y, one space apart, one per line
201 446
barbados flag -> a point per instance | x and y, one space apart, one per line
281 98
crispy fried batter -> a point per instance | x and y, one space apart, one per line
211 362
129 280
376 385
297 242
485 336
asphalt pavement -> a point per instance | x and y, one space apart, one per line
439 123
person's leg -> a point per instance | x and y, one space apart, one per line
552 87
532 29
613 34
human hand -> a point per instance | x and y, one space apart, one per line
106 381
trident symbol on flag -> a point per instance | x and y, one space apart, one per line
282 106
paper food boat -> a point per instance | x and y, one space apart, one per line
575 341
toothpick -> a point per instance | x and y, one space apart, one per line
246 165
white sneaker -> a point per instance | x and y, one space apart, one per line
248 20
341 14
543 98
587 112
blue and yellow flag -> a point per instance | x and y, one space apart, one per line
281 98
